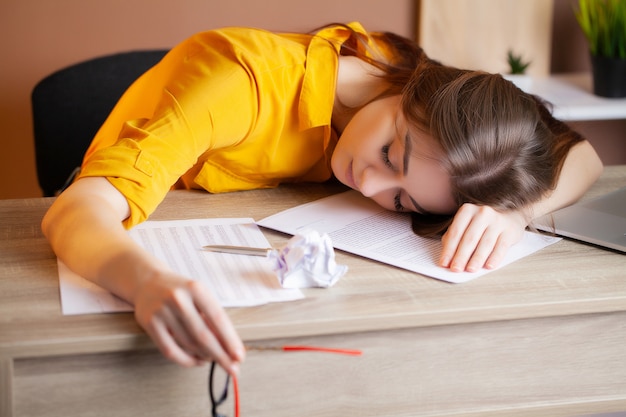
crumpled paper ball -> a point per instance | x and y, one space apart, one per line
308 260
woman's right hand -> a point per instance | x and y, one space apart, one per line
181 316
187 323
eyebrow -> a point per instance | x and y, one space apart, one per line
408 146
419 209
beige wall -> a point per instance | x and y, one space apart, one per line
477 34
40 36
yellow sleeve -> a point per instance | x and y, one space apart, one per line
170 117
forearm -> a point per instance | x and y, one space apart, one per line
581 169
84 229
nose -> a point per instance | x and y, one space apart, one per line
374 182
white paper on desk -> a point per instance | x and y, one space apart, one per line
81 296
358 225
235 280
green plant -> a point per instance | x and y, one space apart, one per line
604 24
516 63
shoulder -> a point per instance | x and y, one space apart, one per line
358 82
246 37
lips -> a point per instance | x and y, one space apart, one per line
350 177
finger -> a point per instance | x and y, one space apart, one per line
467 244
207 323
200 336
222 328
465 250
477 241
452 237
483 249
166 344
499 252
178 331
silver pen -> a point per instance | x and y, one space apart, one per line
239 250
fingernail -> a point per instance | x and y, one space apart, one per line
240 353
234 369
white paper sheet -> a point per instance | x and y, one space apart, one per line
358 225
236 280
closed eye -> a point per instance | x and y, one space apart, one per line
397 202
384 153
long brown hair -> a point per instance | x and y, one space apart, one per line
501 146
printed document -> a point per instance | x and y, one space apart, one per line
235 280
358 225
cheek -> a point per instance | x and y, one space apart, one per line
335 164
362 131
345 151
436 191
384 201
348 138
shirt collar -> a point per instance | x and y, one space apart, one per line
318 87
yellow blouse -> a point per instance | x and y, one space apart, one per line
230 109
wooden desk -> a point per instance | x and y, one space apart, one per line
543 336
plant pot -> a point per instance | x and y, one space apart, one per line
609 76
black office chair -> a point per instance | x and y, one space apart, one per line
70 105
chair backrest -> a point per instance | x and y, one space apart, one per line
70 105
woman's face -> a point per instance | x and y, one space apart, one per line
399 169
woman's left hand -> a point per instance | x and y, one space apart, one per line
479 237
